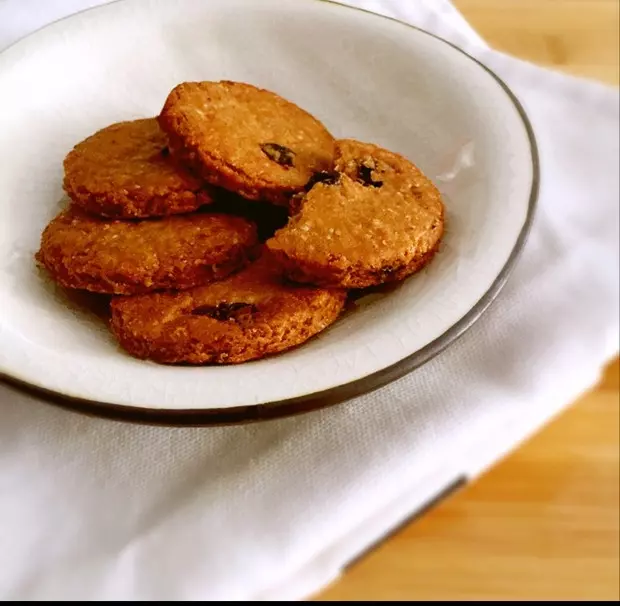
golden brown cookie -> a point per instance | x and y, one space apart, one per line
128 257
375 219
247 316
245 139
126 171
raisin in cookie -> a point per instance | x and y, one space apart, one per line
245 317
245 139
375 219
127 257
126 171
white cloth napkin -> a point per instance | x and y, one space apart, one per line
94 509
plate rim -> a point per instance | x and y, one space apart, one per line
341 393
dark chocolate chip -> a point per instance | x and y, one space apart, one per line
278 153
323 176
165 152
224 311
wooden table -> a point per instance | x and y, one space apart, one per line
543 523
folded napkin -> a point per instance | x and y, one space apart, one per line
94 509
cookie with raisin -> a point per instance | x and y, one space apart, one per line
246 139
250 315
376 218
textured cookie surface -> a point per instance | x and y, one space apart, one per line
375 219
125 170
245 139
247 316
127 257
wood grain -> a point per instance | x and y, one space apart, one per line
543 524
576 36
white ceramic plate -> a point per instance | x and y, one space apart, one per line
365 77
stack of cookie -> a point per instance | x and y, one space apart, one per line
174 217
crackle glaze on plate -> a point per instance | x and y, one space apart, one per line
369 78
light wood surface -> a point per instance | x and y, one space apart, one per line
544 522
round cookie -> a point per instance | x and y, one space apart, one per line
126 171
128 257
375 219
245 139
247 316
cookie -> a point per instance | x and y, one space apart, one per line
126 171
128 257
247 316
245 139
375 219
